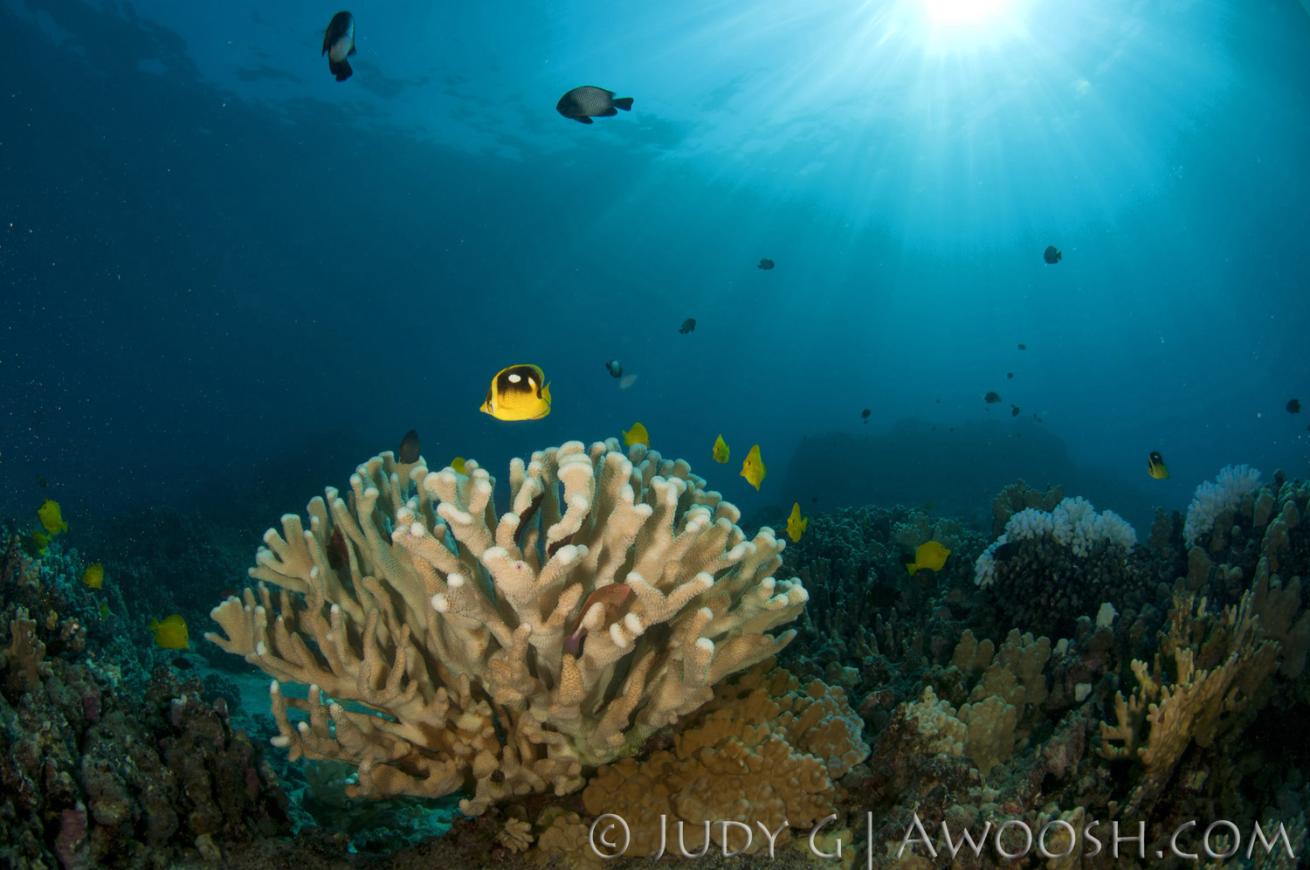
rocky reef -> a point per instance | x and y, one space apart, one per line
1055 678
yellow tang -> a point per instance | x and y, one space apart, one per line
518 392
796 524
458 465
51 517
1155 466
930 555
636 435
94 576
171 633
40 544
752 468
721 451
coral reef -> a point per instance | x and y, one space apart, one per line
1165 692
104 766
766 750
447 648
1049 568
865 626
1215 498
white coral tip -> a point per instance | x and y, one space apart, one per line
417 530
620 639
633 623
440 603
281 741
454 581
261 649
705 644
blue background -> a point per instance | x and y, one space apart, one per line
226 278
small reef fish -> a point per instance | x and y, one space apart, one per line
51 517
408 451
612 597
1014 410
866 413
766 264
688 325
796 524
94 576
458 466
752 467
1009 376
615 368
1052 255
720 450
518 392
931 556
338 553
339 44
587 102
992 397
37 544
1023 346
171 632
636 435
1293 406
1155 466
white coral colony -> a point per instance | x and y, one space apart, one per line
449 648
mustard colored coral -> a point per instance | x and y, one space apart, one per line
766 751
448 646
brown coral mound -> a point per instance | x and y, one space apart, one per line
766 751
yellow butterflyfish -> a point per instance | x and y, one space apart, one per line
931 555
458 465
171 632
94 576
636 435
51 517
752 467
518 392
796 523
1155 466
721 452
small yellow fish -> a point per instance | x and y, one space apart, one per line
752 468
930 555
171 633
1155 466
636 435
518 392
94 576
721 452
37 545
51 517
458 465
796 523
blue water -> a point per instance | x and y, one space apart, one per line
227 278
